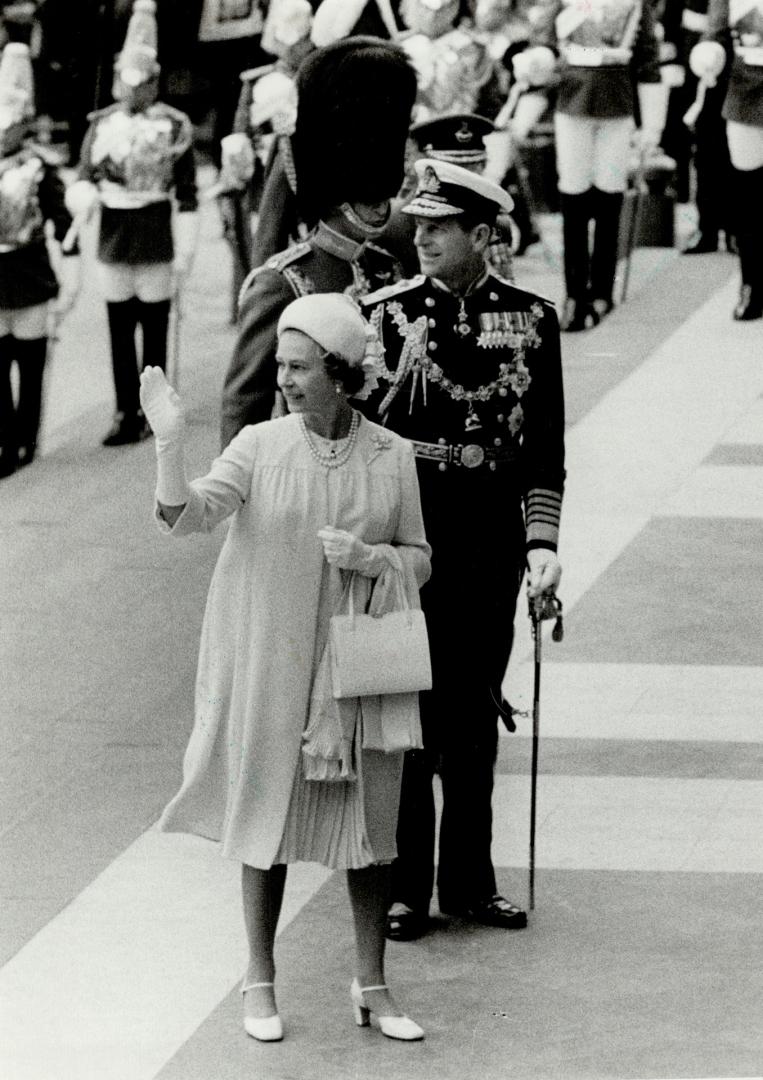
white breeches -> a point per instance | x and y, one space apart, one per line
745 145
150 282
592 152
27 323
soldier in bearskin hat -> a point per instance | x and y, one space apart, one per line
137 158
31 194
340 169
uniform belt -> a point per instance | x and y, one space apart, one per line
470 456
596 56
696 21
750 54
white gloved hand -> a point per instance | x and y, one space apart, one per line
534 66
185 238
346 551
81 198
237 158
544 572
707 60
163 409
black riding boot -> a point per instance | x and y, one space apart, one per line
30 356
128 421
576 213
607 206
8 433
154 320
748 186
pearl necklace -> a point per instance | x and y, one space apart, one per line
330 459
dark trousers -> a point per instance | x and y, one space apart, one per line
469 606
747 187
20 419
124 318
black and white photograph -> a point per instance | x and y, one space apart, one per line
381 539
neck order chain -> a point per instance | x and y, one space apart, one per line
332 459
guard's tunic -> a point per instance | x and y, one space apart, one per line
476 383
139 161
327 261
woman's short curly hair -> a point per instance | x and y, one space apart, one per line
351 378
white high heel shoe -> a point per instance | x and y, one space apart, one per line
263 1028
394 1027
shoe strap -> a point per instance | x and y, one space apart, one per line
252 986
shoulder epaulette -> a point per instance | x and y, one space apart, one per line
169 110
397 289
285 258
256 72
519 289
96 113
276 262
379 250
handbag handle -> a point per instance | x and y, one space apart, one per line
400 587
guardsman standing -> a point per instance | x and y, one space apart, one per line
605 47
137 158
473 377
740 24
355 100
31 195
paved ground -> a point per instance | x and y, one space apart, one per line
121 948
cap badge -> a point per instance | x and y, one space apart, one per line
464 135
430 180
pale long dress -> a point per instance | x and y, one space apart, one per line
265 626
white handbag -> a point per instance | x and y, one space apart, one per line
380 654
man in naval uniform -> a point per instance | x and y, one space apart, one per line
473 377
346 158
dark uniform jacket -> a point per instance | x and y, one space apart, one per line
477 385
327 261
140 161
31 193
605 90
742 28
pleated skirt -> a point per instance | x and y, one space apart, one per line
345 824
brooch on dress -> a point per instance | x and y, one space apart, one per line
381 441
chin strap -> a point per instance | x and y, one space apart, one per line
366 230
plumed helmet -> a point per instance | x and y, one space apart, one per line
355 100
16 84
137 62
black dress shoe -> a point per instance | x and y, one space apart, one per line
701 244
750 304
497 911
403 924
8 461
576 315
127 429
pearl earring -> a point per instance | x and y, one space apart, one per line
338 388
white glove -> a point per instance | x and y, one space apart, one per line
81 198
534 66
186 235
707 60
544 571
162 408
237 158
653 106
346 551
69 272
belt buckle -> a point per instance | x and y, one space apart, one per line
472 455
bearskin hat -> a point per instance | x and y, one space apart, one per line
355 100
